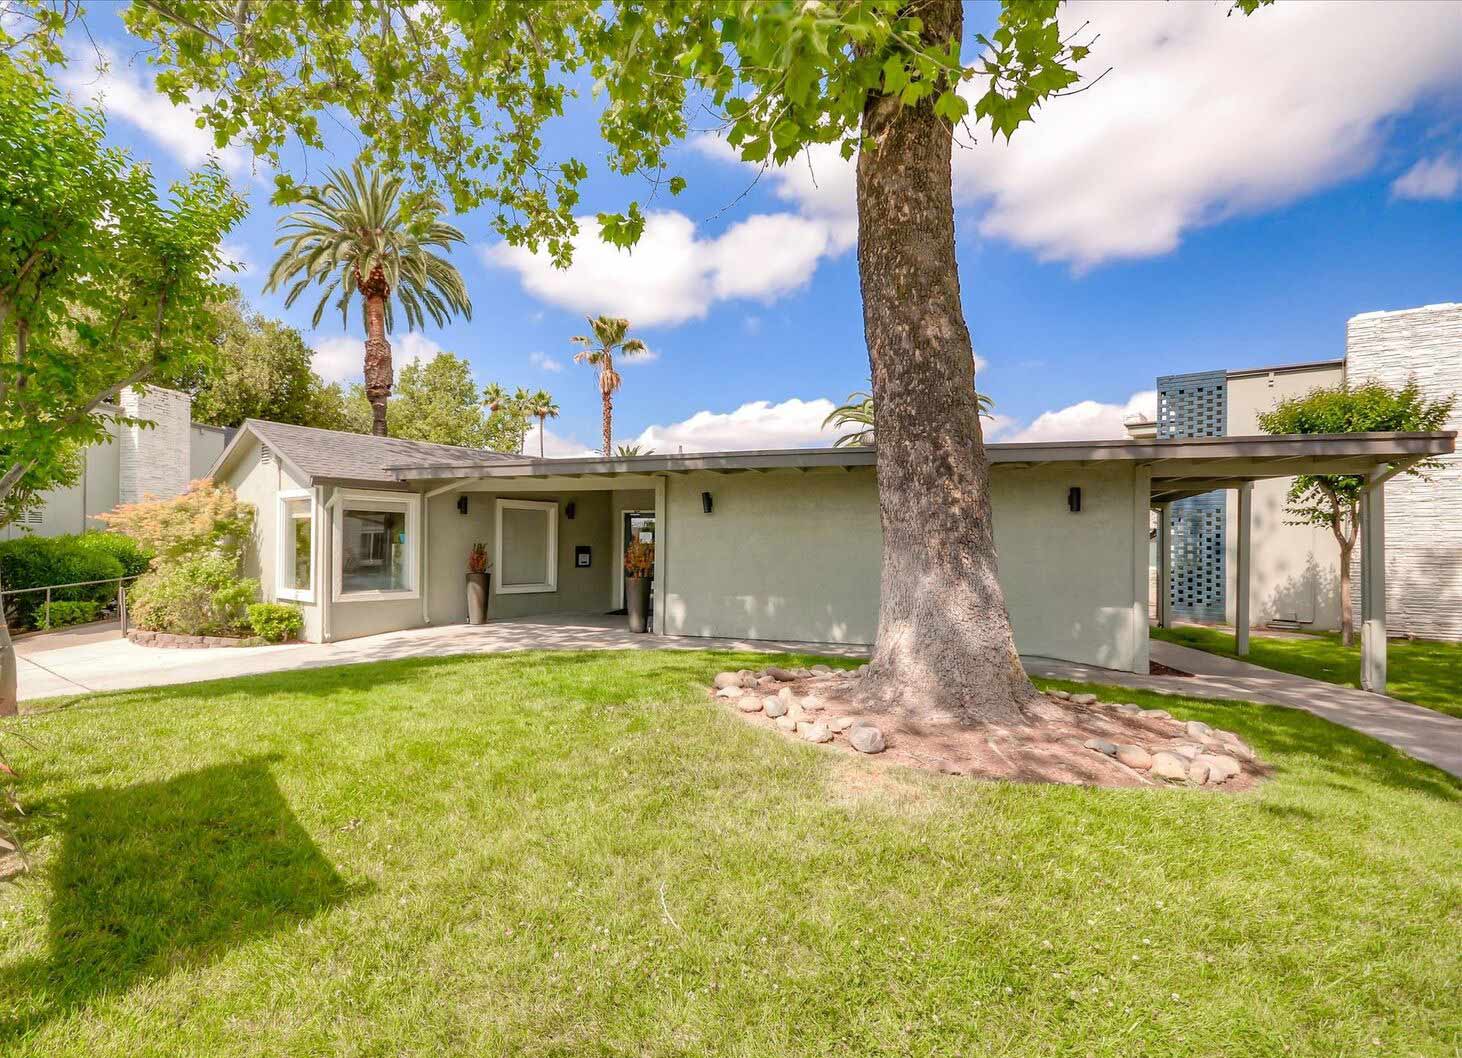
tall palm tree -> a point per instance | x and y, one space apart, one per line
598 352
543 407
350 235
858 411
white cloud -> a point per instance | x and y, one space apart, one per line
544 362
1204 116
1439 177
1087 420
236 253
791 424
556 446
674 274
125 91
341 358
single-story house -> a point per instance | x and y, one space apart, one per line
372 534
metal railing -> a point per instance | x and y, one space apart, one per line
120 582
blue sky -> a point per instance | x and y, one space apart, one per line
1227 196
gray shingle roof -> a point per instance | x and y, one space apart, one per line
334 454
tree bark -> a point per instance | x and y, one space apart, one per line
608 419
945 649
379 374
1347 621
9 676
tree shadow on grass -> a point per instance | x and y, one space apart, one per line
163 876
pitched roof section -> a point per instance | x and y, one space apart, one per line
334 455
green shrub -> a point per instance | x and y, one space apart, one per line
40 561
134 557
196 597
276 621
61 614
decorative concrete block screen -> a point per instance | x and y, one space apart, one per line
1423 518
1196 405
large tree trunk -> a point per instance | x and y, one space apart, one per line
379 374
944 647
1347 621
9 676
608 420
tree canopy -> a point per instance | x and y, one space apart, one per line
437 400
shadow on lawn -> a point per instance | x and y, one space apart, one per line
162 876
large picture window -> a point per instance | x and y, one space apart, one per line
375 546
527 546
294 574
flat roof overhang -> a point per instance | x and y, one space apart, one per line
1180 467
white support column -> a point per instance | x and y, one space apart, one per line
662 536
1241 581
1165 566
1141 507
1373 585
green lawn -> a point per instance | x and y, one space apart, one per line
1421 671
578 854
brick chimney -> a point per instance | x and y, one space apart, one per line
154 460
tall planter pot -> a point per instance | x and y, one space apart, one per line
477 589
637 602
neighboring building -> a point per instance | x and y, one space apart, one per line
1295 575
134 461
371 534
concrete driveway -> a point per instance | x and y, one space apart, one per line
83 664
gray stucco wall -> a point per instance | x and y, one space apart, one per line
1295 569
786 555
450 536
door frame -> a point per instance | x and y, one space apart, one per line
616 589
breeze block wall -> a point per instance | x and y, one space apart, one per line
1423 518
154 461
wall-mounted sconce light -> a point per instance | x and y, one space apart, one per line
568 511
1073 499
461 504
706 502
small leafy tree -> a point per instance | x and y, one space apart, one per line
102 285
208 519
1333 500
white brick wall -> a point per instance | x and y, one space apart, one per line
1423 518
154 461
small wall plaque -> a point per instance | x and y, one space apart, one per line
581 556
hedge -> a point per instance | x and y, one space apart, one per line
42 561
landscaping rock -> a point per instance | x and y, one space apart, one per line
1197 729
816 732
798 714
1236 745
730 692
1169 766
801 674
775 707
786 695
1134 757
780 674
1187 751
1198 773
786 723
749 704
766 681
728 679
1084 699
1156 714
1130 710
822 670
1221 767
866 738
839 724
813 704
1061 695
1102 746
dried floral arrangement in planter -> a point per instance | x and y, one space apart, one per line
639 559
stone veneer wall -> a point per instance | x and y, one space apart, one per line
1423 518
154 461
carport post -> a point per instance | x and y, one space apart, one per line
1246 544
1373 583
1165 565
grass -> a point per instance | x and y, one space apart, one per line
1422 671
578 854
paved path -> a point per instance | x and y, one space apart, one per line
114 664
1423 733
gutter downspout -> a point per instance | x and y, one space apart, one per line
323 576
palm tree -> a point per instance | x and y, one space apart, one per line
626 451
521 405
543 407
859 411
350 234
598 352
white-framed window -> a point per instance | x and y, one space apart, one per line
375 545
295 565
526 541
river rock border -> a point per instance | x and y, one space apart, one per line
177 641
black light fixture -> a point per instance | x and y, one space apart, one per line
568 511
706 502
461 504
1073 499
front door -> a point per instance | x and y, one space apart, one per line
638 525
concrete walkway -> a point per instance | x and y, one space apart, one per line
1420 732
110 663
